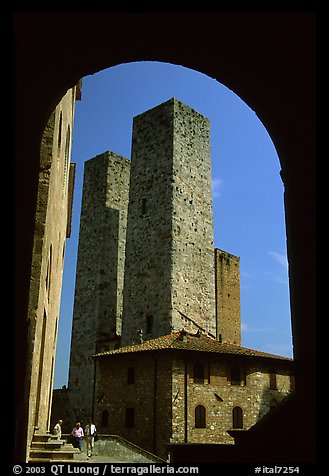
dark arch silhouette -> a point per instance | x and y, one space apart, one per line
268 60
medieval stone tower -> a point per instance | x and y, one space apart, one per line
146 265
227 283
100 269
169 272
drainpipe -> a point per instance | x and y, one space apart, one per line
92 414
185 402
216 292
155 389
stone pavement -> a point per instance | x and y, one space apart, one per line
98 459
106 459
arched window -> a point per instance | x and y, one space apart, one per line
237 417
198 372
200 417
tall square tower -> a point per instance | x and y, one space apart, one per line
100 268
169 273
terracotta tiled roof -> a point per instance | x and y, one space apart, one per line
190 342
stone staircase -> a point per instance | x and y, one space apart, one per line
46 447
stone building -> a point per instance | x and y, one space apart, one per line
52 227
183 389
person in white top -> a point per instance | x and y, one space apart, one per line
90 433
58 429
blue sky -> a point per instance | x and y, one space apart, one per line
247 188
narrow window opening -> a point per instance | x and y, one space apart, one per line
200 417
198 372
149 324
105 418
131 375
273 383
130 418
144 207
235 375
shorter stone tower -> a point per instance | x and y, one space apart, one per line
227 279
100 269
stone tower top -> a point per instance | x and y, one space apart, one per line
169 272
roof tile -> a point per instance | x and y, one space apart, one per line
190 342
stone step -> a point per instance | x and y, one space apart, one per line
46 447
51 444
41 437
52 455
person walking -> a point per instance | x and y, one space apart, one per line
78 435
90 432
58 429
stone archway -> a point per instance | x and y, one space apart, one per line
267 59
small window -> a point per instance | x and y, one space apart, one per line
144 207
235 375
131 375
273 385
105 418
237 417
198 372
130 418
200 417
149 324
103 348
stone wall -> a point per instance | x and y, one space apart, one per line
164 395
51 226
